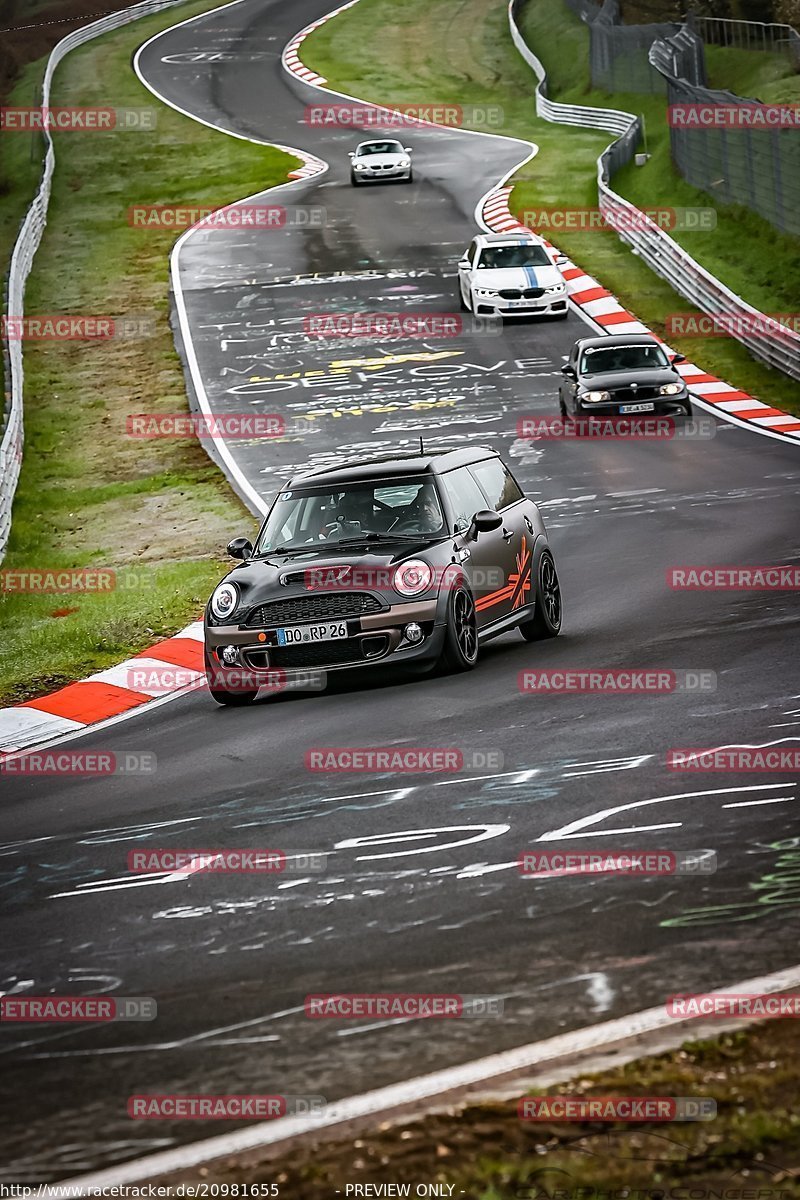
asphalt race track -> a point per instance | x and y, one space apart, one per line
230 958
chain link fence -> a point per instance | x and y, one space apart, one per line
27 243
722 144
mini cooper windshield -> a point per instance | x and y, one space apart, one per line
308 517
604 359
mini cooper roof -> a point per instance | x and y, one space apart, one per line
412 463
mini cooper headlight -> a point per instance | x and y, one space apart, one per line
596 397
224 600
670 389
555 289
413 577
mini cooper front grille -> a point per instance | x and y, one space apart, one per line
330 654
297 610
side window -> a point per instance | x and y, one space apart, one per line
465 497
500 487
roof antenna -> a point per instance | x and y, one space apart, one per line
421 447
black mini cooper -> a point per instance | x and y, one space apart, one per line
411 560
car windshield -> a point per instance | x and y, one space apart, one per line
324 515
498 257
378 148
601 360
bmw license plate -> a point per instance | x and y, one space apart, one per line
626 408
292 635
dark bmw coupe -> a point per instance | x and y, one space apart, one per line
413 560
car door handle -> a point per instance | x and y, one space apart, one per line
508 534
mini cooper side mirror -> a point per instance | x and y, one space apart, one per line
484 521
240 547
568 371
676 358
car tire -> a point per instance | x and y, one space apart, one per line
353 179
460 650
562 316
546 620
461 300
410 177
688 408
562 408
236 699
232 699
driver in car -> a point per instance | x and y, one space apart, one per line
354 515
426 511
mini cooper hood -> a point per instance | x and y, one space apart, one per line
517 277
610 381
280 576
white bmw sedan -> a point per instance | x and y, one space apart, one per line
380 160
511 275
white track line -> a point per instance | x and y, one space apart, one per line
569 1049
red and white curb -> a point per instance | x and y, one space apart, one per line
291 59
607 312
171 666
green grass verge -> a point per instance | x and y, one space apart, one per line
157 512
428 51
485 1152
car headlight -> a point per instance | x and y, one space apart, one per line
413 577
360 166
404 162
555 289
596 397
485 292
224 600
670 389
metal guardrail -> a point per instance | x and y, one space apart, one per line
25 248
661 252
